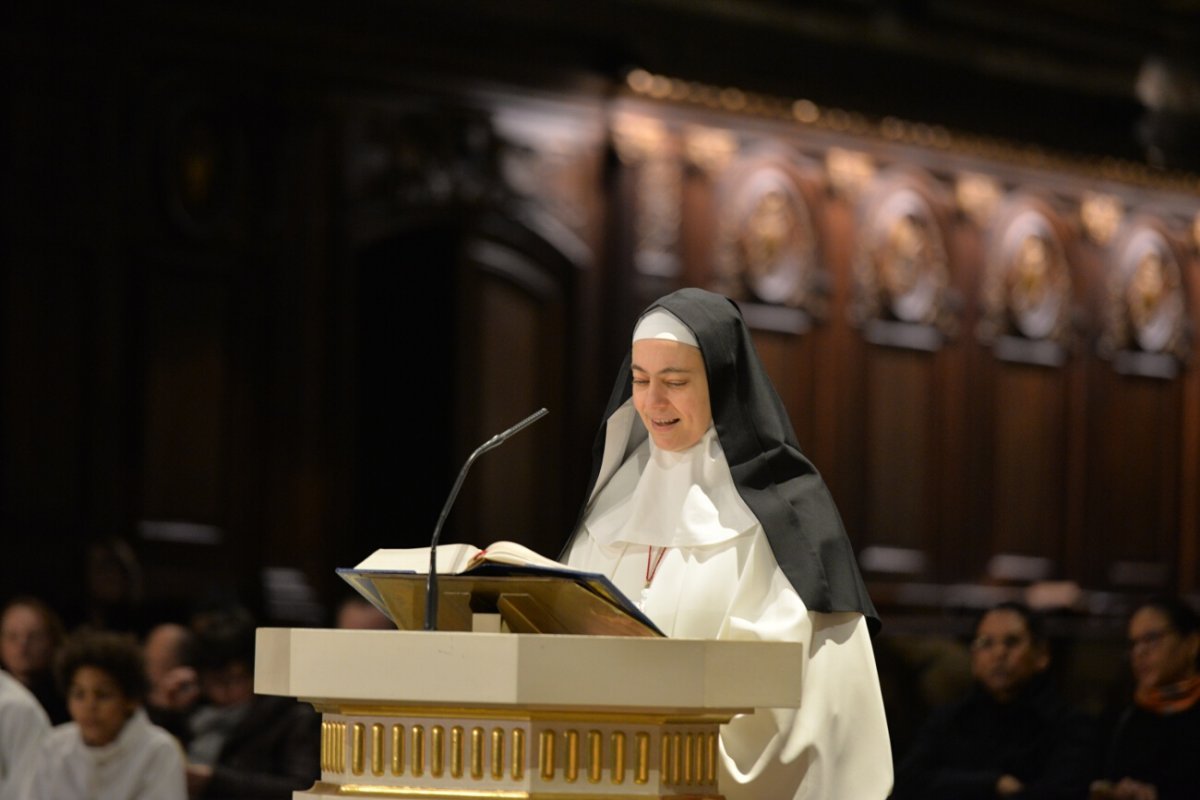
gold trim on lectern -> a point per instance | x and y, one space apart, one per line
437 752
546 755
477 753
497 753
417 766
358 755
366 790
518 755
642 774
572 756
596 763
377 751
397 749
420 793
456 752
618 768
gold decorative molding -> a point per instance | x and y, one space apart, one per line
709 149
1100 215
901 268
646 144
1027 284
1147 306
377 749
766 247
850 172
358 749
397 749
809 114
978 196
461 758
638 138
417 765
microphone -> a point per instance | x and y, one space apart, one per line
431 596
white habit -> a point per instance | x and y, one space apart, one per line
717 578
144 762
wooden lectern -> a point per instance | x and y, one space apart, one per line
460 714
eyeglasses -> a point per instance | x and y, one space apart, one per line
1010 642
1149 639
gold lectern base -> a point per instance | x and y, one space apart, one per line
326 790
444 714
415 752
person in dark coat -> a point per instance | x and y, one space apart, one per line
243 745
1152 754
1013 735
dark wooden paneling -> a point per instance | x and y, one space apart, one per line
186 380
1029 472
1133 514
513 359
838 378
788 360
45 378
519 489
901 460
264 362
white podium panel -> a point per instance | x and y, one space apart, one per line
420 714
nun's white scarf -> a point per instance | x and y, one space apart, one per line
660 498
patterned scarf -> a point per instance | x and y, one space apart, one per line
1169 699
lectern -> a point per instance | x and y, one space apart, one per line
461 714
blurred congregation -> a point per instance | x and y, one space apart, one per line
117 706
268 274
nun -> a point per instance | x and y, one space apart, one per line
702 509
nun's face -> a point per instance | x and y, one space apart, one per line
670 392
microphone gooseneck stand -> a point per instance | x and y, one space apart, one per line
431 595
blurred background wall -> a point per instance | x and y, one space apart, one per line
271 271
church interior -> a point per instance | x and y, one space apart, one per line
272 271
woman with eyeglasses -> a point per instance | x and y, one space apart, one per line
1153 751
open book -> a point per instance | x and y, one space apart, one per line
454 559
505 576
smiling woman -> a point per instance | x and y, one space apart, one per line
670 389
109 749
703 509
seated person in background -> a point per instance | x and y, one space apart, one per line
1153 753
244 745
169 650
30 635
355 613
23 723
112 585
110 751
1012 735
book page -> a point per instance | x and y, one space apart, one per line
514 554
451 559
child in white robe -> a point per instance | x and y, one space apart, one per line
110 750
